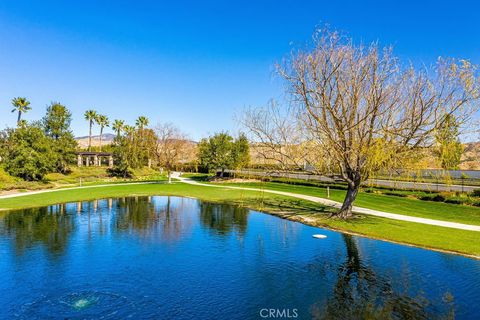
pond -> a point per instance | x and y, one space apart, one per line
181 258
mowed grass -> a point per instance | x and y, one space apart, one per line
459 241
406 206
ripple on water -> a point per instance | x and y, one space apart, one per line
86 304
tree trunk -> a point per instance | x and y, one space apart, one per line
101 132
19 117
90 137
346 209
169 176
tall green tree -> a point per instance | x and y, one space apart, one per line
125 153
221 151
118 126
57 120
217 152
448 147
20 105
102 121
122 156
241 149
56 124
64 148
90 116
28 152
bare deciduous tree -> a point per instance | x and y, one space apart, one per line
277 137
171 145
365 111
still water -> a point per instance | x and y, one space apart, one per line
180 258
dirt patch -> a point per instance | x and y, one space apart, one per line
12 191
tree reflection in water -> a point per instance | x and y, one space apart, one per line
175 223
164 220
359 293
50 226
224 219
135 214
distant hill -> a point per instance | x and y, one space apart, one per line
471 156
107 138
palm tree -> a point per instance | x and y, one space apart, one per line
118 126
130 134
90 116
142 122
129 130
102 120
21 105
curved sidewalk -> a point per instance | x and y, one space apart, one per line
336 204
29 193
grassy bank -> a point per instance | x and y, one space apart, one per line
465 242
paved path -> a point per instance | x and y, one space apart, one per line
336 204
28 193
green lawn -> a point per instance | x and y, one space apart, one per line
393 204
440 238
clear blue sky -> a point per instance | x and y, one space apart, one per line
196 63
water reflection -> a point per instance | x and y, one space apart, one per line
50 226
224 219
359 292
174 223
135 214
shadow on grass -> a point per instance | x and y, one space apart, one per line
284 207
305 211
198 177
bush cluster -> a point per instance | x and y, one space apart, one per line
32 150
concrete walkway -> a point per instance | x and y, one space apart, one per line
336 204
28 193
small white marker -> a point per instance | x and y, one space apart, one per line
319 236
